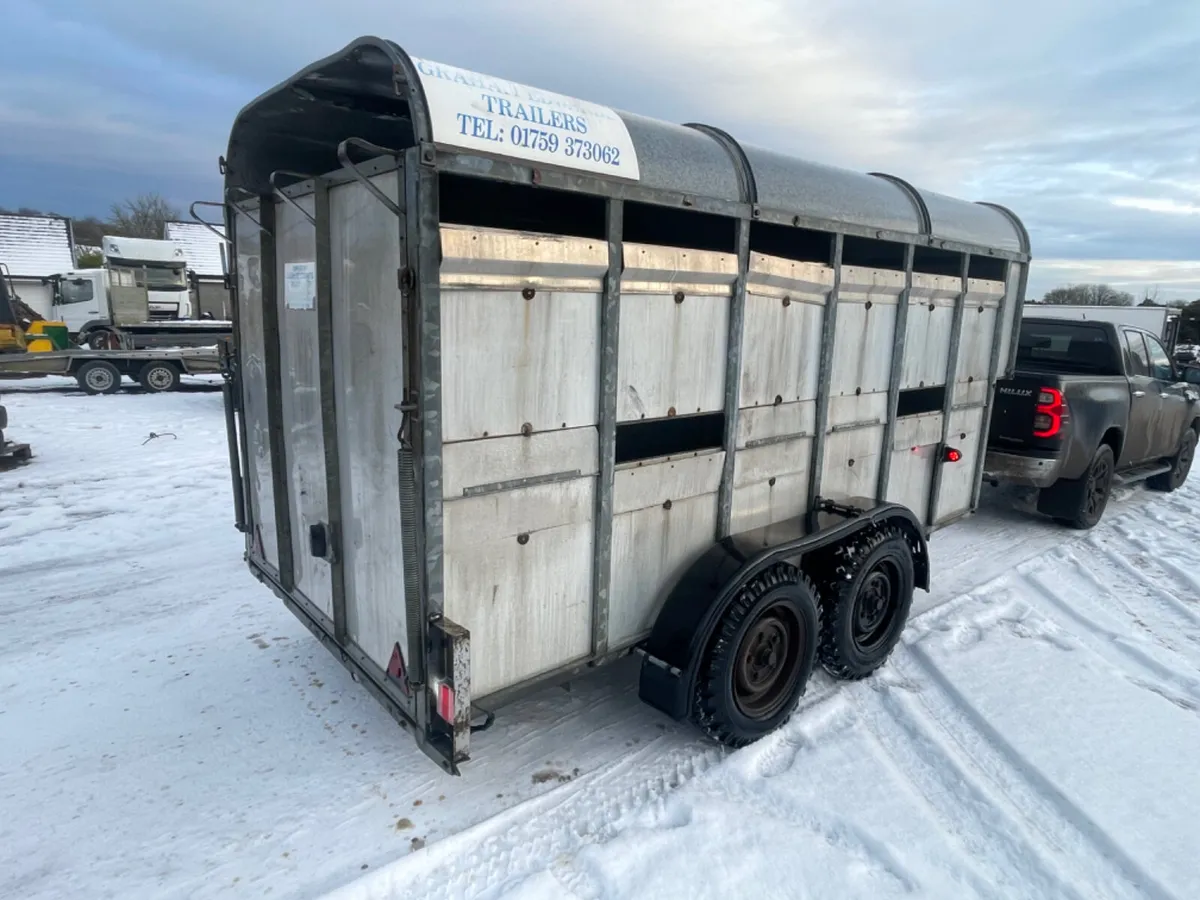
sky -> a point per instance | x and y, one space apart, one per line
1082 116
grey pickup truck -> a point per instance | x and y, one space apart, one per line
1091 405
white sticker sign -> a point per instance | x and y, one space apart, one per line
300 285
491 115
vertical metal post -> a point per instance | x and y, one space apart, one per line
328 396
733 377
237 387
1011 363
272 353
935 489
989 398
422 261
828 332
610 328
897 374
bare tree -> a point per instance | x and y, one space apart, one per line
1088 295
143 217
88 230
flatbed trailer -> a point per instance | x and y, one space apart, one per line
100 371
523 384
160 334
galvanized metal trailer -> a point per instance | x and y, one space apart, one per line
537 383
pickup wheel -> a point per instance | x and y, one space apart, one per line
865 603
1181 464
760 658
1093 491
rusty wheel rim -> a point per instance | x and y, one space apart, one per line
767 664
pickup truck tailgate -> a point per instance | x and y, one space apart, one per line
1014 411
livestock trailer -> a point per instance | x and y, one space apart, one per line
523 384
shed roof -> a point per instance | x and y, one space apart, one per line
36 246
373 90
201 248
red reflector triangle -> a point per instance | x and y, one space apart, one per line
397 670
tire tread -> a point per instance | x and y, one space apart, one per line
836 605
705 714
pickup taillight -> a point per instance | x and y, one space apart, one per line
1050 413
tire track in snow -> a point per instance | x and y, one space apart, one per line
548 829
1117 650
526 839
543 834
955 790
1031 797
1187 584
1104 554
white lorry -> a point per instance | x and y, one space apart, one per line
138 299
1162 321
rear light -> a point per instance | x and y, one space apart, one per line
1051 413
952 454
445 701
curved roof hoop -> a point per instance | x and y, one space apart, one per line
229 195
297 177
918 201
1022 233
749 187
404 69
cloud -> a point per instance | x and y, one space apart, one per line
1161 280
1158 205
1081 117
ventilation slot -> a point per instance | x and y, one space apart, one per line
517 207
872 254
933 261
667 227
799 244
921 400
669 437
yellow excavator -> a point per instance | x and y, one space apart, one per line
12 336
22 330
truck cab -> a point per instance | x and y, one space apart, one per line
141 281
156 267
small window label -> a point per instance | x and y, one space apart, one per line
300 285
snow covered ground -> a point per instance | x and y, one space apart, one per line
168 729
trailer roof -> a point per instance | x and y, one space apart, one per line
373 90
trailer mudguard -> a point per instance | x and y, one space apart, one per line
684 628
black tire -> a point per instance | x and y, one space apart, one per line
865 603
101 339
158 376
98 377
759 660
1181 464
1092 492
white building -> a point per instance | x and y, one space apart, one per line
33 248
206 257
